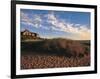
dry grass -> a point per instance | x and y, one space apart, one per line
36 61
54 54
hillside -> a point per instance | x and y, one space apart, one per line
56 50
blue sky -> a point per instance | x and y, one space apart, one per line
55 24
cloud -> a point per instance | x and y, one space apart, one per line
34 21
77 31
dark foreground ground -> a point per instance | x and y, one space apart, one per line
54 53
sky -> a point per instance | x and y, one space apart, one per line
56 24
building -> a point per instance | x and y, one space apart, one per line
26 35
